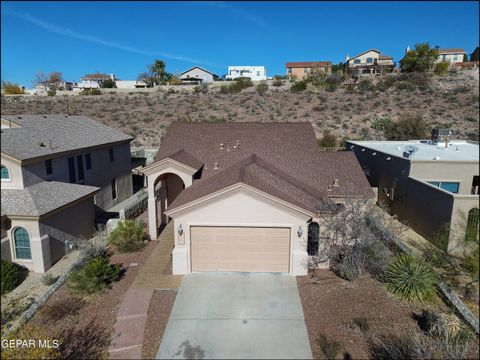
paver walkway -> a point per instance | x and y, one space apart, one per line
127 340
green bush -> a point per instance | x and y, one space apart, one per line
330 348
262 88
128 236
277 83
91 92
95 276
383 124
328 140
411 279
239 84
364 86
441 68
10 276
51 92
333 81
386 82
109 84
299 86
408 127
11 88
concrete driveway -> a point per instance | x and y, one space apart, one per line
236 316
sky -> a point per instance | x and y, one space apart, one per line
77 38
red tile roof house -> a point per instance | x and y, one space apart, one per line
242 195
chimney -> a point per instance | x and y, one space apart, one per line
407 49
112 76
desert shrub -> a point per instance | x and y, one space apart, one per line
299 86
413 80
201 89
92 248
224 89
10 276
29 332
441 324
382 124
91 92
330 348
333 81
277 83
59 309
364 86
375 256
262 88
345 263
51 92
240 84
48 279
386 82
441 68
408 127
174 80
362 323
328 140
11 88
411 279
109 84
128 236
95 276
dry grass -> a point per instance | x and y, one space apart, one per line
451 101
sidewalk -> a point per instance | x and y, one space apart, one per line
155 274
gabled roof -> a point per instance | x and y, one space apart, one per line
384 57
186 158
307 64
197 67
451 51
41 135
259 174
289 150
353 57
42 198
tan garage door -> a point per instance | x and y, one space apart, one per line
250 249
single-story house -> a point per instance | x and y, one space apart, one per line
130 84
454 55
243 196
197 74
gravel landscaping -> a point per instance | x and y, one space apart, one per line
335 307
158 314
86 325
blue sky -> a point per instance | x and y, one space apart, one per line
123 37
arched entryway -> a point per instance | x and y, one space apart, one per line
166 189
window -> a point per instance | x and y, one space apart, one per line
110 152
258 73
369 60
356 61
114 189
455 58
5 173
22 244
88 161
306 70
475 184
71 169
48 167
313 234
81 175
289 70
446 185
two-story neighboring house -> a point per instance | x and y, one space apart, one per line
255 73
451 56
57 173
370 62
427 183
301 70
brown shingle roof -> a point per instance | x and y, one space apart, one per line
186 158
289 149
307 64
450 51
385 57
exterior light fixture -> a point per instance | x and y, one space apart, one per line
180 230
389 158
351 147
300 231
363 149
374 153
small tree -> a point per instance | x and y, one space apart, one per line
421 59
128 236
408 127
262 88
109 84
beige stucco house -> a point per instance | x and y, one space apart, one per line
57 173
452 56
427 183
371 61
243 196
197 74
301 70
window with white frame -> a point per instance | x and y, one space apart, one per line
22 243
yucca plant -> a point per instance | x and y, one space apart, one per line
411 279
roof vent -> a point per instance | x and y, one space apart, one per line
215 166
436 158
41 144
237 143
228 148
44 116
221 146
335 182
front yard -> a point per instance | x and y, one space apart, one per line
358 314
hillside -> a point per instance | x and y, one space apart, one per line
451 101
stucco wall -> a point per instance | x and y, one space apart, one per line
15 171
100 174
451 58
75 223
38 257
241 208
363 59
462 204
462 172
198 74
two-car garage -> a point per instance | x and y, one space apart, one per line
248 249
